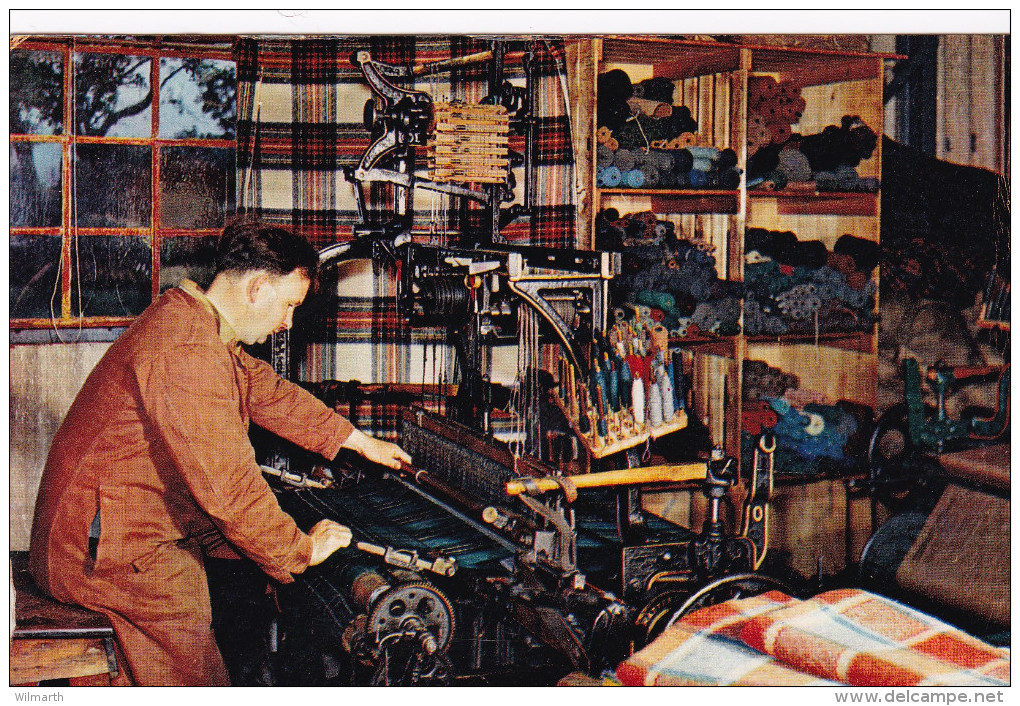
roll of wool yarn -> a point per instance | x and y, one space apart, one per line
683 161
614 88
709 153
659 89
795 165
842 178
865 253
703 164
699 178
776 180
810 253
661 159
727 158
625 159
603 155
651 175
729 178
612 176
634 178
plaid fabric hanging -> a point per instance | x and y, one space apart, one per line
301 122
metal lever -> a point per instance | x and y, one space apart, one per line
409 559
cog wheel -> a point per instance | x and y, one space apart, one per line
413 605
652 618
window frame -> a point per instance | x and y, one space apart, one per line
155 49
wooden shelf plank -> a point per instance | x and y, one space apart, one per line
800 201
816 67
681 200
672 58
860 341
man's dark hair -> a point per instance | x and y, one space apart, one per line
252 245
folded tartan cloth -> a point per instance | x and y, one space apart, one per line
846 636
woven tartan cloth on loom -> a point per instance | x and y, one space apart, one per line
846 636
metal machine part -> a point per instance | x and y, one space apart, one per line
403 629
399 119
543 578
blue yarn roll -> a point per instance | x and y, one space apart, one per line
698 179
634 179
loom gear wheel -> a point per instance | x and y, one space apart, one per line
898 472
652 618
414 606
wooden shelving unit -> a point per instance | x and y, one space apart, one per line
712 80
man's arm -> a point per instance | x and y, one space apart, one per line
292 412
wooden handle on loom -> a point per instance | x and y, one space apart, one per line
455 62
670 473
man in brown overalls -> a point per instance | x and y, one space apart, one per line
152 467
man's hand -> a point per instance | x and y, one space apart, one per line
377 450
327 536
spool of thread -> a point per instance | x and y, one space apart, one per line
583 425
626 382
633 179
676 378
668 401
637 396
660 337
654 405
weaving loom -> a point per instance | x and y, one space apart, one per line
457 575
503 556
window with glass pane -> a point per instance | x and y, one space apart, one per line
113 186
197 98
115 275
35 184
86 143
37 92
114 95
196 186
35 276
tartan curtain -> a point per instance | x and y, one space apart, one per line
300 122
